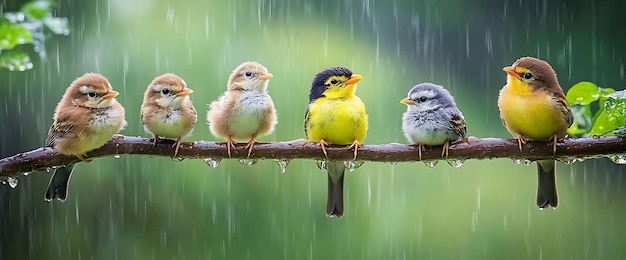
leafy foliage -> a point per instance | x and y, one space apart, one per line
608 119
30 25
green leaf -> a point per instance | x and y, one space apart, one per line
15 60
12 35
37 10
582 120
58 25
583 93
613 116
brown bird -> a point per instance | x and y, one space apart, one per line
533 106
245 111
167 110
85 119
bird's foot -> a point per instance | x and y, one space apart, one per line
156 140
250 145
177 144
230 144
520 141
356 146
323 144
83 158
444 151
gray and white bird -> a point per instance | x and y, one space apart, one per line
432 117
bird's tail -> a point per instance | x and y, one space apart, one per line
57 188
546 188
334 204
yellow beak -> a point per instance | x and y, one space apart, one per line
184 92
353 80
407 101
265 76
510 71
110 94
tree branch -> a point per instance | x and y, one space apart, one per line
474 148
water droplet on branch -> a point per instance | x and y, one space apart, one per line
213 163
353 165
430 164
282 165
456 163
248 162
12 182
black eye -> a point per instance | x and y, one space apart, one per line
165 91
423 99
333 82
91 94
248 74
528 76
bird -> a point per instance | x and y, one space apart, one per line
335 115
432 118
85 119
532 106
245 111
167 110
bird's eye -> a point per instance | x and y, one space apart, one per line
333 82
91 94
423 99
165 91
528 76
248 74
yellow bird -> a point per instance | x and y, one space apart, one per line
533 106
335 115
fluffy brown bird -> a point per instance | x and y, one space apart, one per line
85 119
533 106
167 110
245 111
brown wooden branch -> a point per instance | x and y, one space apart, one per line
474 148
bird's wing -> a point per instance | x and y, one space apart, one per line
57 130
306 120
457 123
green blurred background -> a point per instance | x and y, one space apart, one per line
138 207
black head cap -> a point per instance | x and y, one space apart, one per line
318 87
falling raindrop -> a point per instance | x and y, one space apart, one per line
248 162
322 165
430 164
353 165
456 163
12 182
282 165
178 159
618 158
213 163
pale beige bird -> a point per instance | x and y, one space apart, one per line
167 110
245 111
85 119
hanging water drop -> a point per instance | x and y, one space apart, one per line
282 165
213 163
26 173
456 163
117 156
321 164
393 163
248 162
568 160
618 158
430 164
517 161
527 162
12 182
177 159
353 165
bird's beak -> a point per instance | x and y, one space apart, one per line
353 80
407 101
265 76
511 71
110 94
184 92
